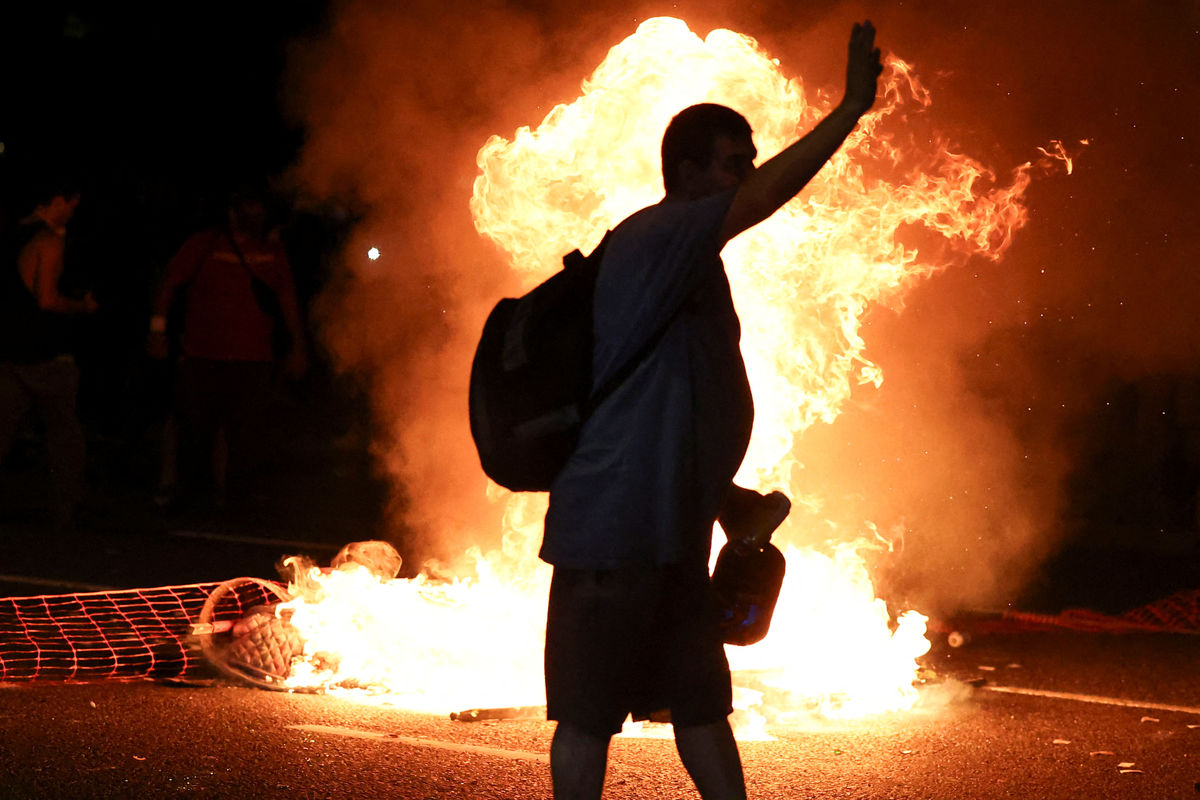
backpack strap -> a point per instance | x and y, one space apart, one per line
227 234
605 390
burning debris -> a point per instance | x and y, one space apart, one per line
354 628
259 647
486 714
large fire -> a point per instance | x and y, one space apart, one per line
801 282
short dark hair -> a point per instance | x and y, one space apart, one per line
44 188
691 135
249 191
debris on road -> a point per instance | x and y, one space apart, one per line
516 712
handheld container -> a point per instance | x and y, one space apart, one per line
747 579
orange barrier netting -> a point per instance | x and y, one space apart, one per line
136 633
1177 613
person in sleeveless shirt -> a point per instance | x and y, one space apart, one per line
37 370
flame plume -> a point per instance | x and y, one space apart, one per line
801 281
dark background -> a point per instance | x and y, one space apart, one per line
156 112
187 93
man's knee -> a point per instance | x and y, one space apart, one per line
571 738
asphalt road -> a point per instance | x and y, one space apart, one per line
207 739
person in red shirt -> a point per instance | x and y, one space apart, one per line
239 293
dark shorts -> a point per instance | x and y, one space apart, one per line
634 641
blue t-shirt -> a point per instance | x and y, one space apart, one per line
655 459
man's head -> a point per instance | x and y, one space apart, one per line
246 206
55 198
707 149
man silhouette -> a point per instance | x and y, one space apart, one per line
632 625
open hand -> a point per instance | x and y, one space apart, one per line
862 69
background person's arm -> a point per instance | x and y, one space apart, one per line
781 178
181 269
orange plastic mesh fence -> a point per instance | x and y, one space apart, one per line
135 633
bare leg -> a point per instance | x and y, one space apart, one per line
578 760
710 756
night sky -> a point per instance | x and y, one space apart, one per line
189 92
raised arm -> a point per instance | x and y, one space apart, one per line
182 267
781 178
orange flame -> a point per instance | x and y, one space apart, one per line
801 281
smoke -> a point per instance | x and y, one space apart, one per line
993 370
1030 354
396 99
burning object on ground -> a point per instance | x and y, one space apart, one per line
260 647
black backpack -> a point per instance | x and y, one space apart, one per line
531 379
